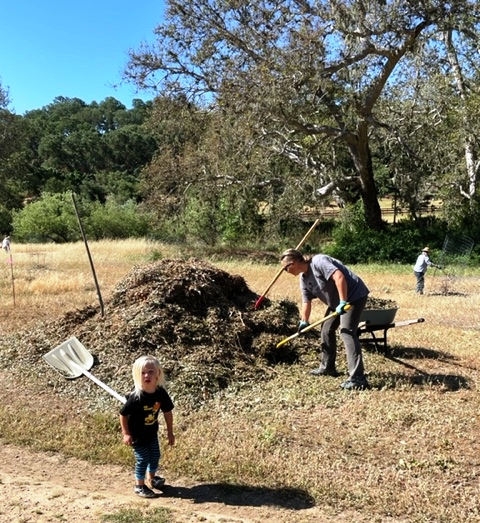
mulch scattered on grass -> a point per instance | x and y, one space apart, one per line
199 321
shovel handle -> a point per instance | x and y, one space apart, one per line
279 273
104 386
96 380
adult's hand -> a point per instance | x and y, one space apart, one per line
341 307
302 325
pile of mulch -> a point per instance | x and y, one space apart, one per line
380 303
198 320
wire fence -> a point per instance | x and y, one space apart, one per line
454 258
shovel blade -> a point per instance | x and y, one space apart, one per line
70 358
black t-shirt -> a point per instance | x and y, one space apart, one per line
143 414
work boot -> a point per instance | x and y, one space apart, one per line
355 384
324 372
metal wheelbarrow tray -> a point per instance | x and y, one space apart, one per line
380 320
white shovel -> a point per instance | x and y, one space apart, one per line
71 359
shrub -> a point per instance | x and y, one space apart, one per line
354 242
50 218
117 221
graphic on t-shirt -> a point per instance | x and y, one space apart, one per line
152 415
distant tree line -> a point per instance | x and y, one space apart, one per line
261 111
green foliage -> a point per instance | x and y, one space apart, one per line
50 218
168 229
116 221
201 219
239 220
5 220
355 243
135 515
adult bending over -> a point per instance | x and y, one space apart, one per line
335 285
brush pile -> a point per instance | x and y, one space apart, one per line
198 320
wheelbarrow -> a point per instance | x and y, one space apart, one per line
374 321
72 360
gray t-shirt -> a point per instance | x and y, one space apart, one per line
316 282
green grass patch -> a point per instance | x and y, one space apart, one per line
155 515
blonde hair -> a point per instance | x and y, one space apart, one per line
138 367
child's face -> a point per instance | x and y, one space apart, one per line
149 378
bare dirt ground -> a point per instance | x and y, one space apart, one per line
45 487
41 487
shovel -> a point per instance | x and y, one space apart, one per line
310 327
71 359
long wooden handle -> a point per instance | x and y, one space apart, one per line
311 326
279 273
306 329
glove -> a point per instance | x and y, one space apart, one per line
341 308
302 324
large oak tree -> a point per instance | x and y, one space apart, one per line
309 73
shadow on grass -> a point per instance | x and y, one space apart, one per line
447 382
450 382
417 353
228 494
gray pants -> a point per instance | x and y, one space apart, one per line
348 323
420 282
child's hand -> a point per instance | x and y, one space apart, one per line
127 439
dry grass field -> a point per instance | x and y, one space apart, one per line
405 451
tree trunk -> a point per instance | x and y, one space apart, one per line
360 152
469 140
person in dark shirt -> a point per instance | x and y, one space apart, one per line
139 422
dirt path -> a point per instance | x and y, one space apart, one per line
41 487
47 487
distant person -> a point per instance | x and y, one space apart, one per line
139 422
6 244
335 285
420 268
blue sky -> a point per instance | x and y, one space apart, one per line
51 48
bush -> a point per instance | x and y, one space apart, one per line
52 218
117 221
354 242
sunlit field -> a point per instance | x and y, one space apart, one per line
405 451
